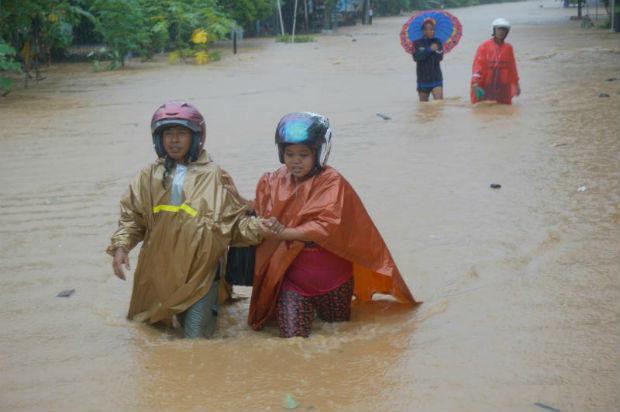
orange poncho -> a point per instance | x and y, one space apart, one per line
328 211
495 70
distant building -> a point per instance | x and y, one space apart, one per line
312 16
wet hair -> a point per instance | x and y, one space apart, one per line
169 164
428 22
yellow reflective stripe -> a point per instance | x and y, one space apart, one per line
187 209
175 209
165 208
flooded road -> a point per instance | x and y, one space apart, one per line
521 285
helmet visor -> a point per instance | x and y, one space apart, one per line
158 125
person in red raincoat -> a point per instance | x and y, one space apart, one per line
327 249
494 73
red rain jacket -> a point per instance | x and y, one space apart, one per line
495 70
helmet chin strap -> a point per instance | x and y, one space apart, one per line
194 149
317 164
159 145
315 169
327 148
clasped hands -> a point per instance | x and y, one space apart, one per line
270 227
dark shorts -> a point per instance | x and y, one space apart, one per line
296 312
427 89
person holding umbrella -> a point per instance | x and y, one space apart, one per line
427 36
494 72
428 53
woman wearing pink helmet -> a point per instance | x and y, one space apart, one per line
178 207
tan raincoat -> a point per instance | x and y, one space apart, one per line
182 244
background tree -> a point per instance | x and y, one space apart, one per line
122 24
8 64
247 12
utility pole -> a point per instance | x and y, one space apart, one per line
612 10
294 22
306 13
281 22
365 12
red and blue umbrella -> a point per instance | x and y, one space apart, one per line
448 29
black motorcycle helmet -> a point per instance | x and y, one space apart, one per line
306 128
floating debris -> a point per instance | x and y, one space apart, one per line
496 186
289 402
603 95
384 116
66 293
612 79
582 189
547 407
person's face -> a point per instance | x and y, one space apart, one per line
299 159
429 31
177 141
500 33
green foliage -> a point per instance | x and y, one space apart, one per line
102 55
215 56
98 66
425 4
287 38
460 3
604 25
39 28
198 56
122 25
170 23
42 29
246 12
7 65
390 7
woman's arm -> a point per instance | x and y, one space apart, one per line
289 234
131 226
131 229
478 66
515 73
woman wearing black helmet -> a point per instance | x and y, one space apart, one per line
330 249
179 208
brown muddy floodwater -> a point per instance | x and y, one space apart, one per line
521 285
